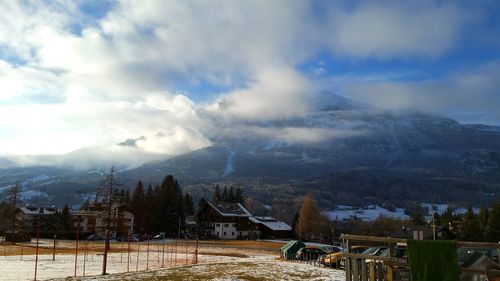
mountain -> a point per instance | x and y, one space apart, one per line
347 152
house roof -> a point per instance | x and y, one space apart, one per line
407 231
230 209
271 223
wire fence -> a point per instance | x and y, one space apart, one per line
42 259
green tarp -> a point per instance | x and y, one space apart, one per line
290 249
433 260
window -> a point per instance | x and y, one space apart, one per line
224 233
233 233
217 224
217 233
225 225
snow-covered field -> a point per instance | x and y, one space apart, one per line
368 214
216 261
372 212
233 271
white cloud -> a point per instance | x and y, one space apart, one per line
69 81
402 29
458 94
275 93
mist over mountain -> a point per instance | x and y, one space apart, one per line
346 152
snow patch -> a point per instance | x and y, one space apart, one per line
370 213
229 165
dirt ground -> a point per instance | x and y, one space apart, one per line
217 260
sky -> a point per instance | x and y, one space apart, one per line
77 74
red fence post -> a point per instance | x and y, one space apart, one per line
176 242
76 250
137 263
147 256
54 249
84 258
128 250
121 251
37 244
163 252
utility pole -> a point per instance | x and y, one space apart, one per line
109 189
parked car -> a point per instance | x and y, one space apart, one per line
374 251
309 253
381 251
95 237
329 250
126 238
333 259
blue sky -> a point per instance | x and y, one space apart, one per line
89 73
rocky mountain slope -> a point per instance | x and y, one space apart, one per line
347 152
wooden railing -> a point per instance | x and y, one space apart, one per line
360 267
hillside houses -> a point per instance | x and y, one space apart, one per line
229 221
94 218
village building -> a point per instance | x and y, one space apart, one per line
93 219
31 219
229 221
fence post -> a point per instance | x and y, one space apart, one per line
121 250
186 241
137 261
195 260
364 275
355 269
76 250
372 270
163 252
348 269
147 256
128 253
37 244
84 257
54 249
390 273
175 259
22 250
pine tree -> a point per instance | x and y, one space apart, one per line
493 228
202 205
188 205
65 221
470 229
238 196
231 195
217 195
137 205
447 216
484 216
225 196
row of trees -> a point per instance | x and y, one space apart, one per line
160 208
229 196
483 226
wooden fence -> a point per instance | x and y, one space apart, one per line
360 267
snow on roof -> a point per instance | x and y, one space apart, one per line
231 209
37 211
271 223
